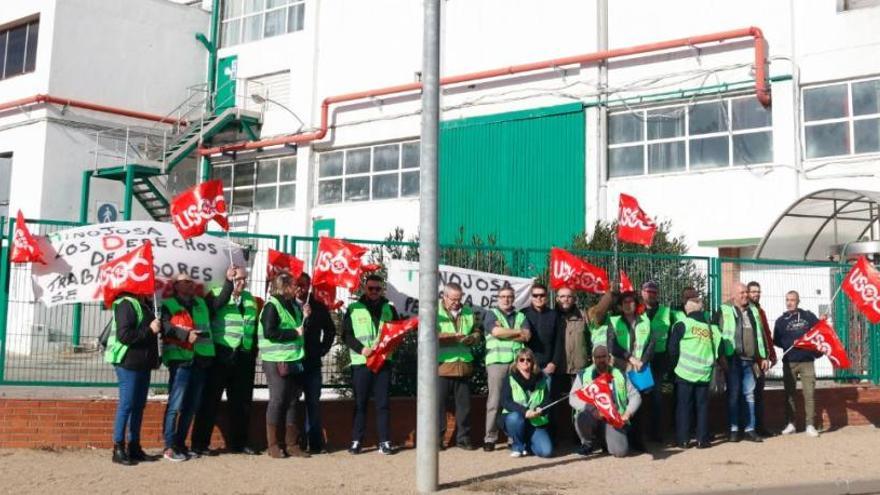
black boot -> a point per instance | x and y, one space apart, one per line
137 454
120 456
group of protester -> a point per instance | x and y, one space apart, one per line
533 357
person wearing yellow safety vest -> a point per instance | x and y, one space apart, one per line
457 331
187 361
132 349
588 423
744 353
280 341
506 332
632 347
660 316
234 330
526 391
693 352
360 329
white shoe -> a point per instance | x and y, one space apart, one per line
811 432
516 453
789 429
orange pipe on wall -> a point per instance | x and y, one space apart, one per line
762 87
49 99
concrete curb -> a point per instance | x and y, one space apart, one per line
838 487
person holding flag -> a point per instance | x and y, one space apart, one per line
589 422
507 330
280 340
457 331
234 331
693 351
188 361
360 330
797 363
742 346
526 391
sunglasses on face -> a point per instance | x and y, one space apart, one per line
374 289
524 360
538 296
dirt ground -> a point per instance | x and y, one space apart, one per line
846 454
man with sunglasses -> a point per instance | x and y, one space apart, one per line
457 332
360 330
506 332
233 329
547 342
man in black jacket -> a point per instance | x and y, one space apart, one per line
548 343
319 334
797 363
360 330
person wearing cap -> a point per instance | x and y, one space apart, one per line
188 362
234 331
660 316
693 352
632 346
754 289
588 423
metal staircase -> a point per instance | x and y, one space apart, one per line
142 157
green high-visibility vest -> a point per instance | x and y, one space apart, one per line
445 324
679 315
660 325
529 400
621 399
231 328
275 351
698 351
621 332
364 329
728 330
499 351
115 352
204 345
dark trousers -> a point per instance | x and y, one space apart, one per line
659 366
689 394
460 389
283 392
366 383
638 425
312 382
234 374
759 402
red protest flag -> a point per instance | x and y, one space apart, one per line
626 284
24 247
283 262
862 285
599 394
132 273
633 224
389 339
326 294
192 209
338 264
567 270
822 338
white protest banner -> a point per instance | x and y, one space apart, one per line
480 288
74 255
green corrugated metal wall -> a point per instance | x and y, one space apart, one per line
519 176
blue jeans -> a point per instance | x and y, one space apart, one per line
133 389
312 389
185 386
740 386
525 436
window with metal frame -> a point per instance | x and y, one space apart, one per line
842 119
384 171
18 49
707 134
256 185
252 20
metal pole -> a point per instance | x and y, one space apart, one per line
427 426
602 110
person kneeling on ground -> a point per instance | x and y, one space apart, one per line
525 392
588 422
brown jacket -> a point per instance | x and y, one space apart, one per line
577 341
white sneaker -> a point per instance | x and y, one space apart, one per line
789 429
811 432
516 453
